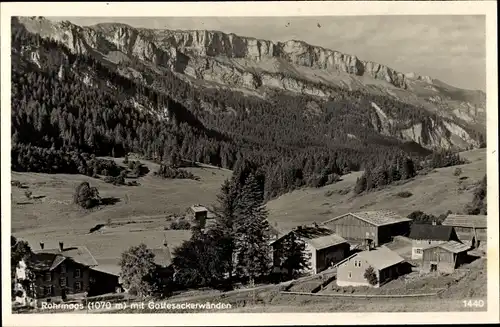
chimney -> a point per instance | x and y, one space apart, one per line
61 246
42 245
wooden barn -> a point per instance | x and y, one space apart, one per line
377 226
425 235
324 247
444 257
198 214
471 229
386 265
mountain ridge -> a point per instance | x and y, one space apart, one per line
205 59
368 65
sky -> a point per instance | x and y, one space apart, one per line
451 48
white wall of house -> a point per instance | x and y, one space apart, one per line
351 273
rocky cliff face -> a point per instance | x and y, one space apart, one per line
293 66
169 48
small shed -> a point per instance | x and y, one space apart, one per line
469 228
323 246
445 257
386 265
379 226
426 235
198 214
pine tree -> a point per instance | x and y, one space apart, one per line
252 232
224 229
292 255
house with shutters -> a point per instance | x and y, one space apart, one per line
426 235
60 274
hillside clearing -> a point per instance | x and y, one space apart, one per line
138 216
434 193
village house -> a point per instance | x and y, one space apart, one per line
386 264
377 226
426 235
445 257
322 246
54 275
198 214
471 229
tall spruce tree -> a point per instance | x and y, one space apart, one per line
292 255
224 228
252 232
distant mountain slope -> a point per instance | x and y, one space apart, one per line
211 59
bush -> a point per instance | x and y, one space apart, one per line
86 196
404 194
181 224
344 191
175 173
28 194
371 276
457 172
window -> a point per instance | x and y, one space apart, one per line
349 274
48 276
78 273
357 263
418 251
78 286
430 242
62 281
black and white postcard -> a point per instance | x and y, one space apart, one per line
303 162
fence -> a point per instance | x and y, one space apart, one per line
366 296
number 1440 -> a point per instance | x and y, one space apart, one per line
473 303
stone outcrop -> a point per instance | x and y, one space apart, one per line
249 63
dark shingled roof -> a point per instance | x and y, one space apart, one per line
49 259
431 232
44 261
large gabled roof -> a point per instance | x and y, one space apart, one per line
431 232
471 221
375 217
379 258
51 258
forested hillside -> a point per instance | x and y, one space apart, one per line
62 102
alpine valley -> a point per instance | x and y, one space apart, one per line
217 98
